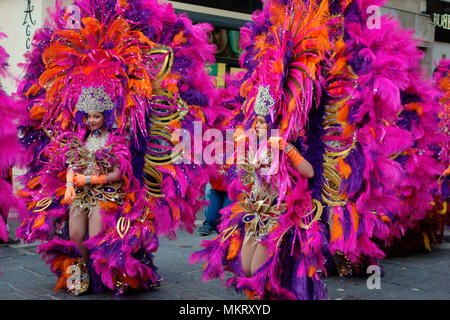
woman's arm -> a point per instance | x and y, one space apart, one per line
303 166
114 176
70 190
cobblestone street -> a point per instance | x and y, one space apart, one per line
419 276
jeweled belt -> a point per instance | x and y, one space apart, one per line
261 215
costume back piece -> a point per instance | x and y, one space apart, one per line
9 147
351 96
145 67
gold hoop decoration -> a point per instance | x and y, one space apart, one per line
396 155
331 186
152 180
43 204
123 225
444 208
162 110
160 156
318 209
163 61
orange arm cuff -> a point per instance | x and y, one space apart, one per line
295 156
101 179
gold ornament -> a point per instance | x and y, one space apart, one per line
344 266
122 227
260 215
43 204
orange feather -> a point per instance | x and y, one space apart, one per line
355 217
39 221
108 205
336 230
34 89
344 168
37 112
235 245
33 183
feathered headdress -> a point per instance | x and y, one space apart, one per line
104 52
283 57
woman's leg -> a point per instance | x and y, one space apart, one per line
247 252
77 231
95 222
259 257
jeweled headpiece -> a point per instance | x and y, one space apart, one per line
264 101
94 99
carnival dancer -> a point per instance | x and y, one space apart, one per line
357 112
391 176
9 149
442 77
88 179
104 94
271 237
254 248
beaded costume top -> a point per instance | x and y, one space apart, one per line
94 157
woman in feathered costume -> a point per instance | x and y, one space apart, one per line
9 147
352 99
271 238
442 77
104 94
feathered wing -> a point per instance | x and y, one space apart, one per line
10 150
151 62
442 79
389 177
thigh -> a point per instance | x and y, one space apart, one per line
77 224
259 257
247 252
95 222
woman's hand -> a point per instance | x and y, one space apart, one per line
239 135
69 195
80 179
277 142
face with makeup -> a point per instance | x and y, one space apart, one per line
95 120
261 126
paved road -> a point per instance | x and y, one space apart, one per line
419 276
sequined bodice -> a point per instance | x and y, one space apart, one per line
261 210
256 167
92 145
